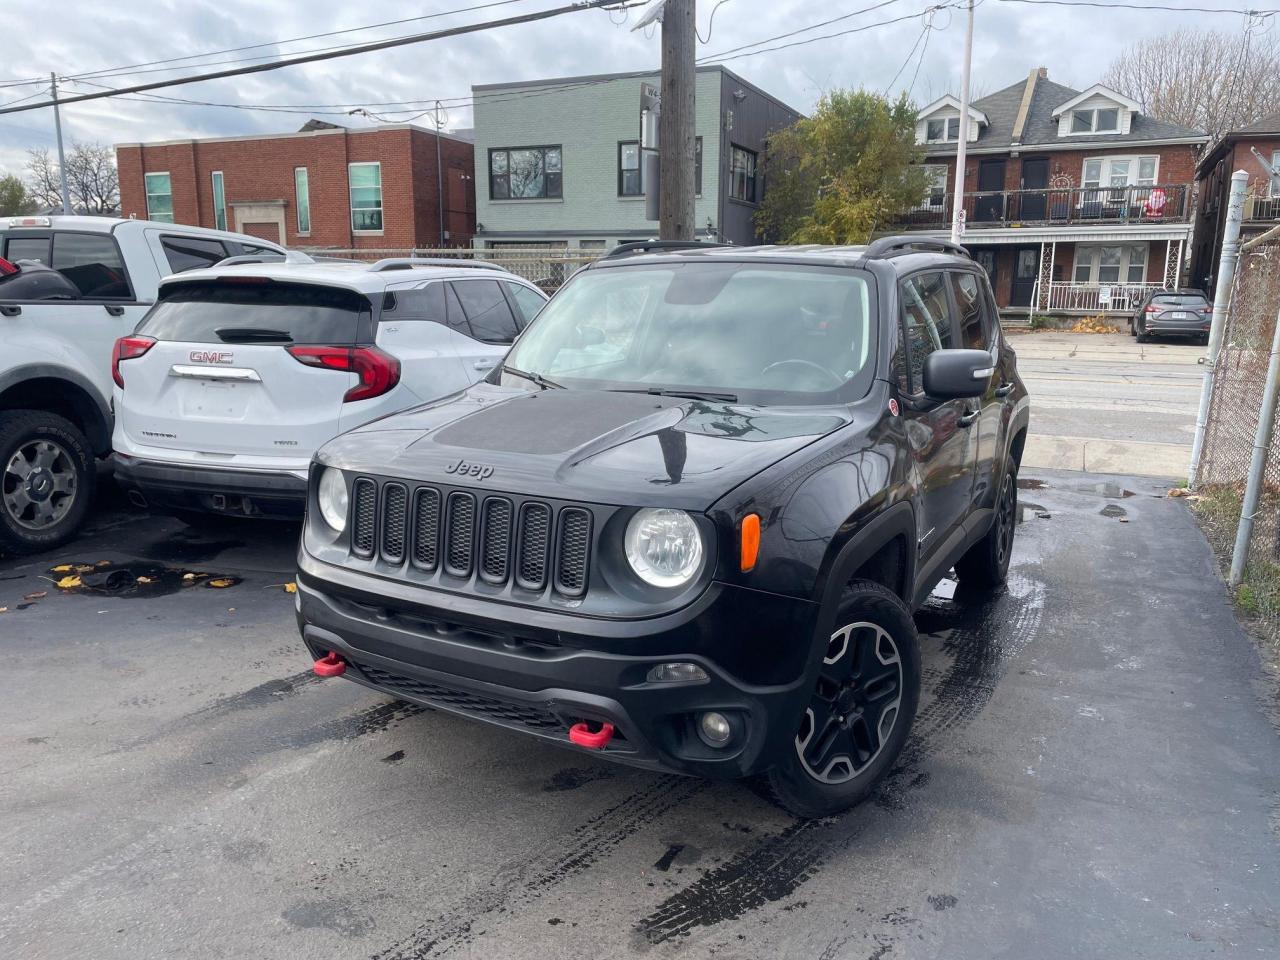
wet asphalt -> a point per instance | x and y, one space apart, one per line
1094 773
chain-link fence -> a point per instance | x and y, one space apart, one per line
548 267
1239 378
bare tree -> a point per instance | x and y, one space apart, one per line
91 179
1206 79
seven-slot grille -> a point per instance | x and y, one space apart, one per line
490 537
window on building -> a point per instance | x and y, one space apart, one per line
629 169
525 173
487 310
302 198
1096 120
365 181
1110 263
159 197
1118 173
595 246
93 263
742 174
942 129
937 194
191 253
219 201
1273 191
926 324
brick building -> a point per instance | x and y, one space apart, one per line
324 186
1075 201
1213 179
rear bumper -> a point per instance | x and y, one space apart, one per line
522 673
243 493
1184 328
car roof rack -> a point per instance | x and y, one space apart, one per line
266 256
409 263
905 243
653 246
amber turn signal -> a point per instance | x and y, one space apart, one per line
750 541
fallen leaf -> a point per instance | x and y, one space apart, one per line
291 587
1178 492
220 582
188 576
4 609
38 595
61 568
66 583
86 567
103 563
145 580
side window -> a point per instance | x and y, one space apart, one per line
28 248
926 323
969 306
423 303
454 316
528 303
487 309
92 262
191 253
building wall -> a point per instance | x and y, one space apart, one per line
260 170
1214 188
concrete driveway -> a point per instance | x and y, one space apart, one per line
1108 404
1093 773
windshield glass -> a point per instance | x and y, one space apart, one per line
257 313
759 333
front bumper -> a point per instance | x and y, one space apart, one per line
539 672
242 493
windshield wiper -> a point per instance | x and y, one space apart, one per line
252 335
537 378
686 394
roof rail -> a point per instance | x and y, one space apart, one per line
905 243
408 263
266 256
647 246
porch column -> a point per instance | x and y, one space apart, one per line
1044 278
1172 264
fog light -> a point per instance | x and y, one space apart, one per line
676 673
714 728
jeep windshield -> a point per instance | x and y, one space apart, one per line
754 332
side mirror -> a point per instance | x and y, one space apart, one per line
952 374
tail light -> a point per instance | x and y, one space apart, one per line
127 348
1207 311
378 371
7 269
1152 308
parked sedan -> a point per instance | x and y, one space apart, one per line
1178 313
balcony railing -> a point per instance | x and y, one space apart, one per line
1093 297
1065 206
1262 208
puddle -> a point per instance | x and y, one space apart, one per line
187 546
1028 483
1107 488
138 579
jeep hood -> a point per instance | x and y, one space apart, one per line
591 446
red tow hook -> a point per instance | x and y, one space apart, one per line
331 665
584 736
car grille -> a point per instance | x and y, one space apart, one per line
497 540
505 711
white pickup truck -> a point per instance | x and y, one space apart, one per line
69 287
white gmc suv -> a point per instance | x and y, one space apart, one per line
69 287
238 374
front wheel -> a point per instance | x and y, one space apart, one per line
861 709
986 563
1141 333
46 480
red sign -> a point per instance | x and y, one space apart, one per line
1154 207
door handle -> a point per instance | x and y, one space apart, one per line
968 418
10 310
1004 390
114 309
485 364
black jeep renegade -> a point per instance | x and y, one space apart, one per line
685 524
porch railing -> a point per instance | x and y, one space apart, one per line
1158 203
1110 298
1262 208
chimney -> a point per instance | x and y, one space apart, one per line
1042 73
1028 91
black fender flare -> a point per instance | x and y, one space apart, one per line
96 413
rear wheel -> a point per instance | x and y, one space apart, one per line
1140 332
46 480
986 563
861 709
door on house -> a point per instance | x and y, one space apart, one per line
1035 177
1026 266
990 208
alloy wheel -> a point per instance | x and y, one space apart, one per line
39 484
855 705
1005 518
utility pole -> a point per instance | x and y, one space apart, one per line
62 158
1221 298
439 177
675 122
957 199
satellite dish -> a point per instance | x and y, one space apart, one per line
652 14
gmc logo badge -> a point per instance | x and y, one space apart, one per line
211 356
478 470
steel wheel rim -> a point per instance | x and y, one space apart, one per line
1005 518
39 484
855 706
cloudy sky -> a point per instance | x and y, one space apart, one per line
75 37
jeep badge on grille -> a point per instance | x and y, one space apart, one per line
462 468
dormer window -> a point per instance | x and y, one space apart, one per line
940 131
1101 120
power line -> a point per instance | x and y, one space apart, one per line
331 55
1117 5
792 33
910 54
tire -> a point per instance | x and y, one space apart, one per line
1141 333
873 626
986 563
46 480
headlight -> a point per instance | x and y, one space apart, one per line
664 547
333 498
